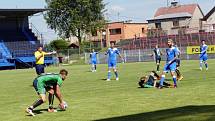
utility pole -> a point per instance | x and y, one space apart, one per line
107 32
118 16
167 3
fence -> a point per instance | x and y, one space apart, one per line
181 40
140 49
71 56
142 55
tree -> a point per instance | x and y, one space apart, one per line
59 44
75 17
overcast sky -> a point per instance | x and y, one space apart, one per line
122 10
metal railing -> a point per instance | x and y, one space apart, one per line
37 33
143 55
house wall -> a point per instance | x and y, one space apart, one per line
167 25
208 24
130 30
196 20
117 36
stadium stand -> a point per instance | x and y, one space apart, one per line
17 41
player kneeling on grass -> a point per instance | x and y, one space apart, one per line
151 81
50 83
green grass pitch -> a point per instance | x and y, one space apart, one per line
91 98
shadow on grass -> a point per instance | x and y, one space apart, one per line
168 80
196 69
39 111
89 71
189 113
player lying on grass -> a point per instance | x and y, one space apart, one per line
48 83
151 81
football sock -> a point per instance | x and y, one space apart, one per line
109 74
116 73
174 80
92 68
206 65
95 67
37 103
158 67
162 80
200 64
178 73
51 101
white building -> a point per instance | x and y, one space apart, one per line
176 19
208 22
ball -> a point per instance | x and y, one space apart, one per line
64 106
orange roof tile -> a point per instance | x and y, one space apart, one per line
190 8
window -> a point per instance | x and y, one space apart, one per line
115 31
175 23
213 26
158 25
143 30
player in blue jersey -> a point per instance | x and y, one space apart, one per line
157 55
203 55
112 53
171 54
93 60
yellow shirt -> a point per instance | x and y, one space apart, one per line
37 54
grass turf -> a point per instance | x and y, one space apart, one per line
90 97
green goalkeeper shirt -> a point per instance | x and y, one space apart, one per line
46 80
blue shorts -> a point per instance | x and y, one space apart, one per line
112 64
93 62
158 60
170 67
40 68
203 58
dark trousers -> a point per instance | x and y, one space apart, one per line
40 68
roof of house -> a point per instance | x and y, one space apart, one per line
124 22
189 8
209 14
173 15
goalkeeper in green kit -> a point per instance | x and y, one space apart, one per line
48 83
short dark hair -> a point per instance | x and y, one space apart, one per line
203 40
39 47
64 71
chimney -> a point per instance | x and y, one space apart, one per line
174 3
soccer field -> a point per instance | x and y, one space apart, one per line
90 97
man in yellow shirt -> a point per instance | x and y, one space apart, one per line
39 56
